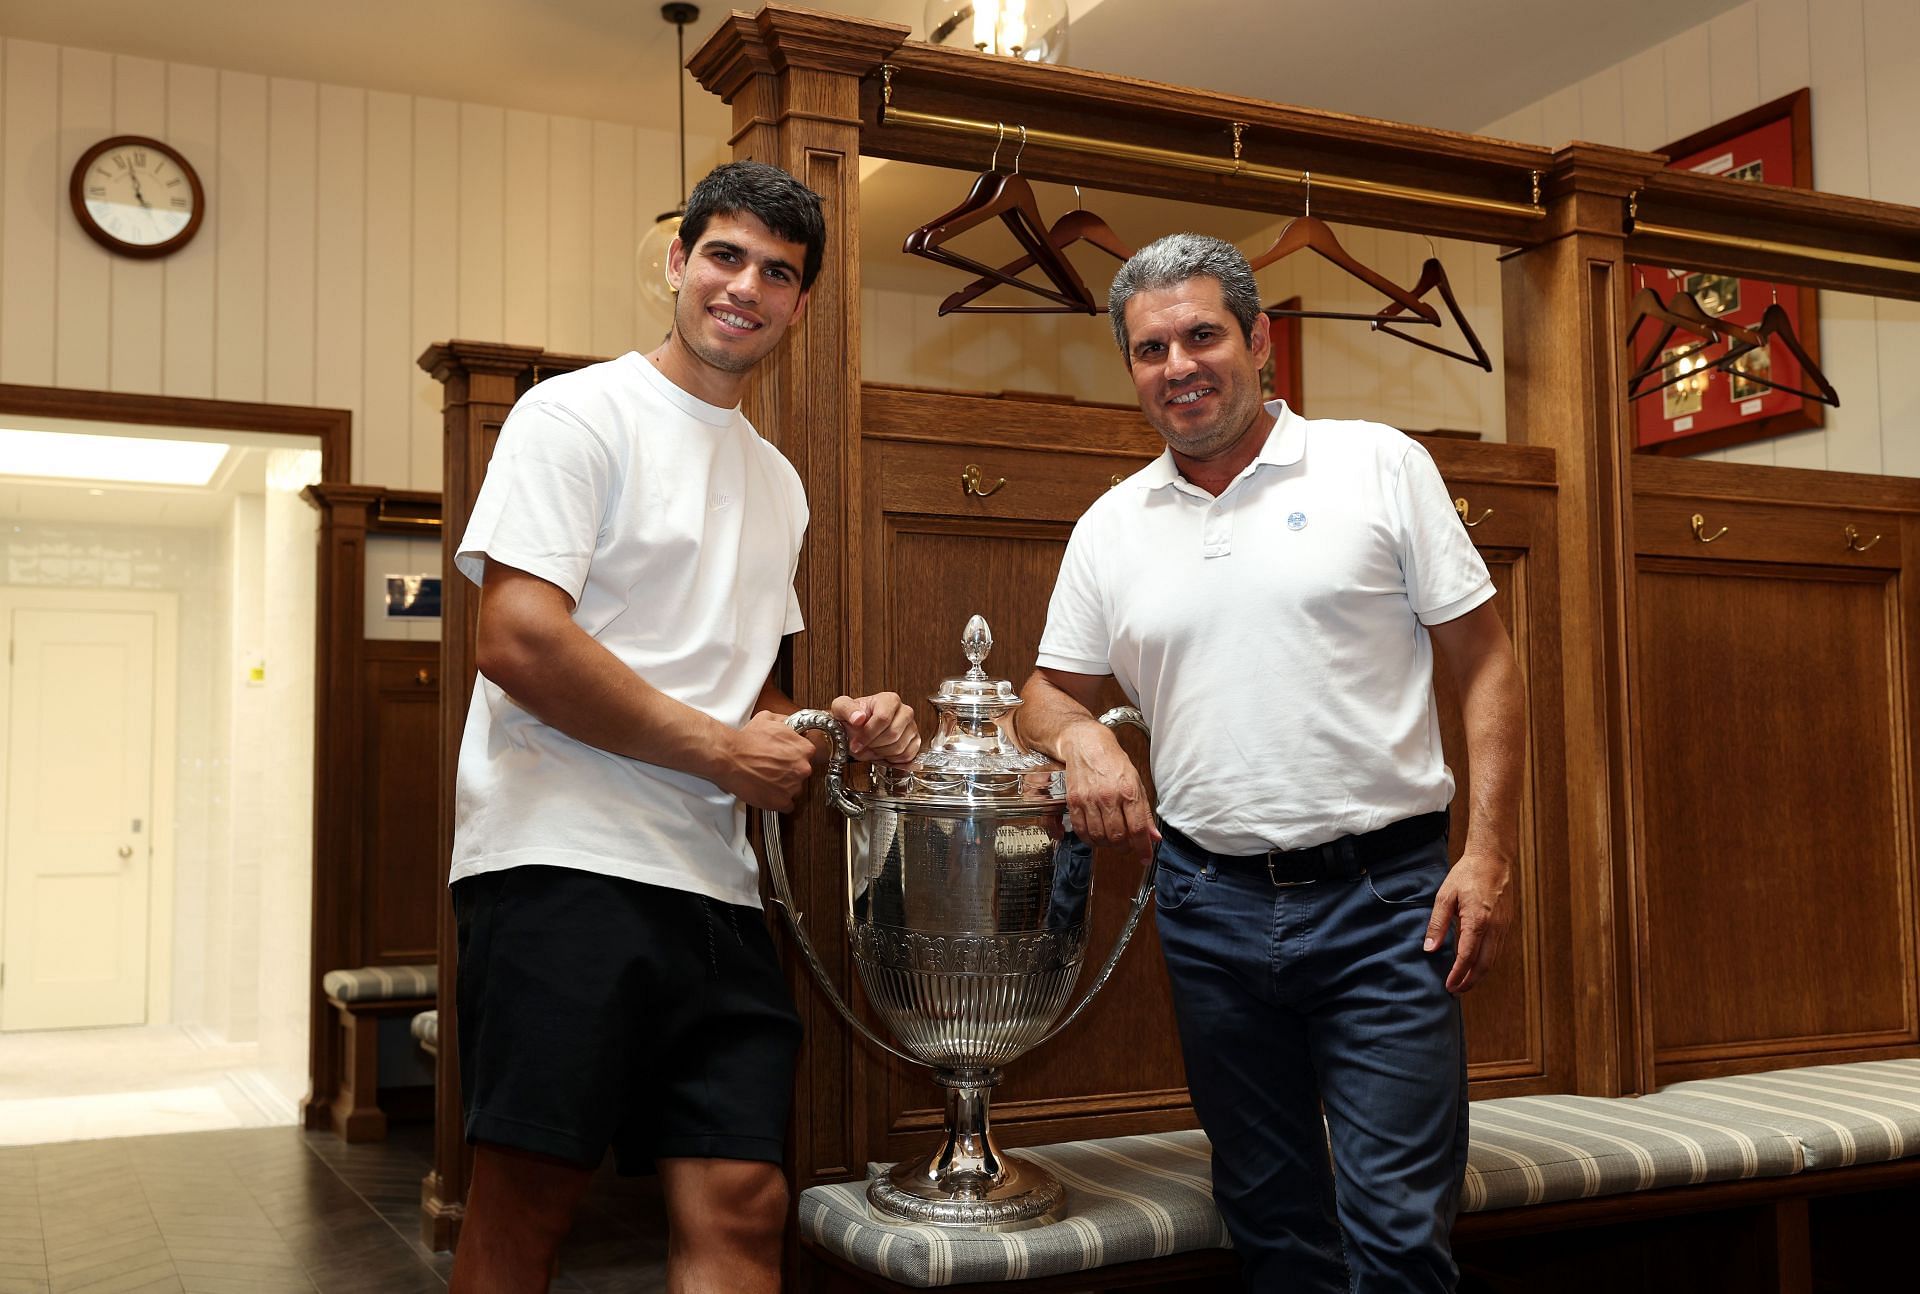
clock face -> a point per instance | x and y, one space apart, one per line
137 196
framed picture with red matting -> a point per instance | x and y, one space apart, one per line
1708 409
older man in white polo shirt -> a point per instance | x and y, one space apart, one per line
1270 592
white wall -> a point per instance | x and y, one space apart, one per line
347 229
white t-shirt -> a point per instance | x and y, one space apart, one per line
1273 637
676 529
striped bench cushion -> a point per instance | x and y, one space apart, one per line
1864 1113
381 983
426 1027
1128 1198
1539 1149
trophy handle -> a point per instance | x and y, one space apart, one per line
1113 719
807 721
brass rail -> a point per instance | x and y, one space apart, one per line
1174 159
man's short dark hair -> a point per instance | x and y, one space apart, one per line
788 208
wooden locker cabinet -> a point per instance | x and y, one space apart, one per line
1773 687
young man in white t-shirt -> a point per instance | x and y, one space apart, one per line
1271 592
636 542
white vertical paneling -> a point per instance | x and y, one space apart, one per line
570 236
437 230
1560 117
524 230
483 168
1892 31
384 433
340 259
1408 373
614 232
656 190
1838 61
240 283
1643 99
137 294
1899 343
83 287
1602 112
1459 403
1782 35
1488 323
193 128
1734 50
1689 58
293 144
34 189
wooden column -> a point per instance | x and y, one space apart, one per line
481 381
1563 304
793 79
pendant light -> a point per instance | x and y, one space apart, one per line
1032 30
650 258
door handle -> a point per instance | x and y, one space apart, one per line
126 851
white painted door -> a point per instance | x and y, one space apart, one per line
79 817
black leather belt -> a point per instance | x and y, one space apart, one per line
1345 859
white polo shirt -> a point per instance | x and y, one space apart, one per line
1274 636
676 530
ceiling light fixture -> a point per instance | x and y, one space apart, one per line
650 259
1032 30
74 457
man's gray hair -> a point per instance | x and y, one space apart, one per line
1175 259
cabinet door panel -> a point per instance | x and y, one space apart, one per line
1779 904
400 869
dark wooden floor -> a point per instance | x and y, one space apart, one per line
259 1211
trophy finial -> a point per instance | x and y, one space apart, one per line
976 641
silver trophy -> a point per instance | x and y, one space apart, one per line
967 908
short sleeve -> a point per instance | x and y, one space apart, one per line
541 504
1445 576
1078 638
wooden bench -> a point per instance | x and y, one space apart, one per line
361 999
1744 1165
426 1031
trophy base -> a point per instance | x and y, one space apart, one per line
1020 1195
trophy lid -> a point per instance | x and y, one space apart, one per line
976 754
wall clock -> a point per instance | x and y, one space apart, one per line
136 196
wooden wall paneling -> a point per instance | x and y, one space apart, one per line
570 231
240 271
135 295
435 311
340 254
29 229
482 267
1563 392
193 126
292 179
479 383
794 89
83 289
384 450
524 226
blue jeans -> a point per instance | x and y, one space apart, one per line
1294 1002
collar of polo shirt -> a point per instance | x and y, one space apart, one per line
1286 445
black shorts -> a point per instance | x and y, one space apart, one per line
599 1012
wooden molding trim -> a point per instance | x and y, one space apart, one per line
780 38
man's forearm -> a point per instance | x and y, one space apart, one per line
1052 717
1493 706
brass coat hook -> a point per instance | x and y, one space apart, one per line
1853 540
1460 506
970 482
1700 530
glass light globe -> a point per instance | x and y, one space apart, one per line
1034 30
650 258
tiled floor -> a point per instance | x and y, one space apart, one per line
259 1211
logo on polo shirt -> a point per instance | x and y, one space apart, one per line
1296 521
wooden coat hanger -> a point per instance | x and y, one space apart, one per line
1683 313
1434 275
1011 199
1306 232
1077 226
1776 324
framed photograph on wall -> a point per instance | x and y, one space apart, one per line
1280 377
1709 409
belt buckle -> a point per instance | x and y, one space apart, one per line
1274 877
